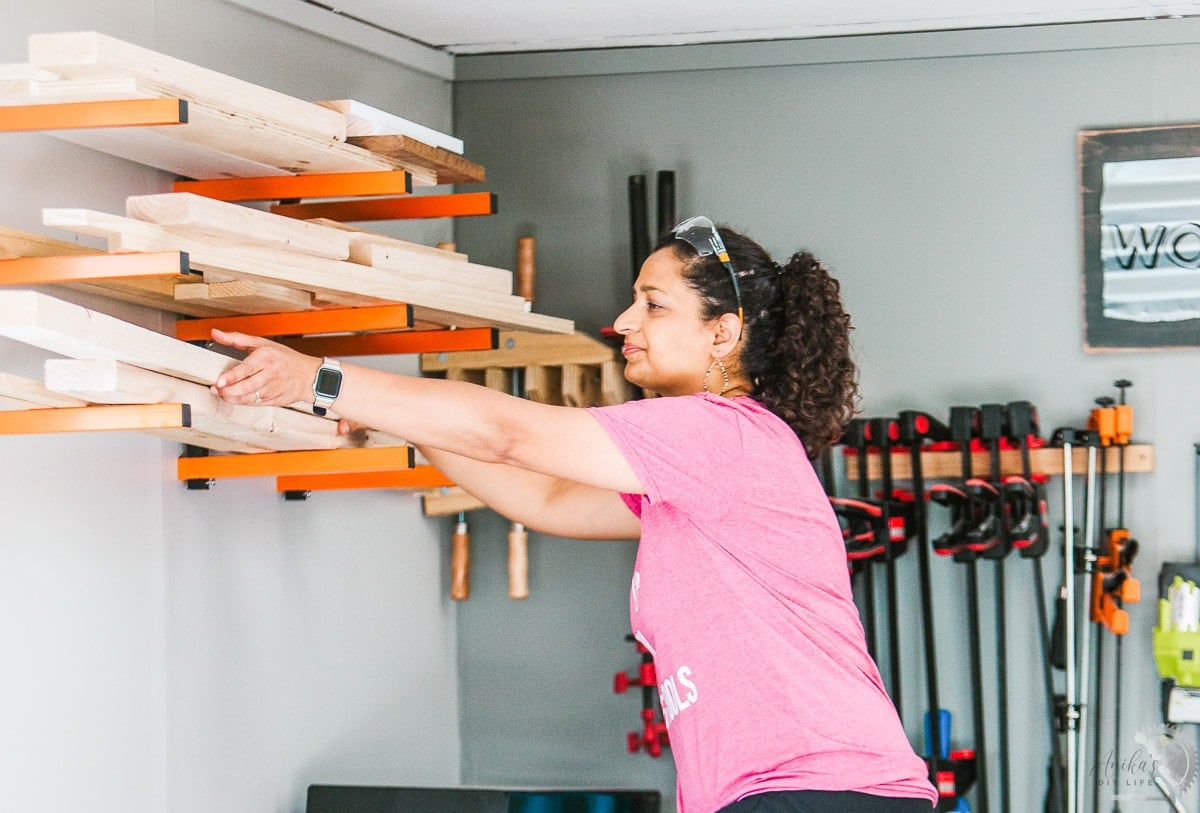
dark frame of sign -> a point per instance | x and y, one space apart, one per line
1097 148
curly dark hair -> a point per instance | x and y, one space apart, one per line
796 339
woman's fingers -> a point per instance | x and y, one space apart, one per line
241 341
270 374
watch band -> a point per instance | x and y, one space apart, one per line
326 385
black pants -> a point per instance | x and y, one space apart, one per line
822 801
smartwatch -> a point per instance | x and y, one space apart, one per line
327 385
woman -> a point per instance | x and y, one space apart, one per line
740 588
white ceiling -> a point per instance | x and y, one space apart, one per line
489 26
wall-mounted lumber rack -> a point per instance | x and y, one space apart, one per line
332 461
163 265
295 187
94 418
296 273
943 465
93 115
229 127
466 204
418 477
380 330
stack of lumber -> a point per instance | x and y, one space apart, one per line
234 128
110 361
257 262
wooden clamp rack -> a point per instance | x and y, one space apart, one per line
944 465
566 370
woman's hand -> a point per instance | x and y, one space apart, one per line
270 373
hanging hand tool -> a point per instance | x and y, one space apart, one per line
1029 533
665 202
460 541
881 432
1113 584
639 225
1074 711
991 432
965 514
460 560
863 548
518 537
653 736
949 775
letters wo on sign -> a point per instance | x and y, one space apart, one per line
1140 202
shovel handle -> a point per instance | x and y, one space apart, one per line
518 562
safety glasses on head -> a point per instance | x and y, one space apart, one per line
700 233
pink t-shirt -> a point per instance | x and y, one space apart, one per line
742 595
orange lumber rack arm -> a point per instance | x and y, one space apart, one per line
375 330
86 267
419 477
95 418
90 115
276 464
352 211
288 187
398 343
300 323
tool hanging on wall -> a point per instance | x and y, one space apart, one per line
882 433
951 772
460 559
518 537
1029 533
653 736
967 514
665 202
995 547
860 530
1074 708
1112 582
460 540
639 224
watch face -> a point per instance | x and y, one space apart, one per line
328 383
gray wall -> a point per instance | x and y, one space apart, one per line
174 651
936 176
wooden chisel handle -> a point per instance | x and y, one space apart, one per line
460 561
525 267
518 561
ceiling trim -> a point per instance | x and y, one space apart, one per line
347 30
828 50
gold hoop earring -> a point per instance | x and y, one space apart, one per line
724 375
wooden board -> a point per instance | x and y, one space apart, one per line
414 156
523 349
70 330
422 265
361 242
362 119
149 293
216 144
233 224
948 465
245 297
91 55
445 502
273 428
436 302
